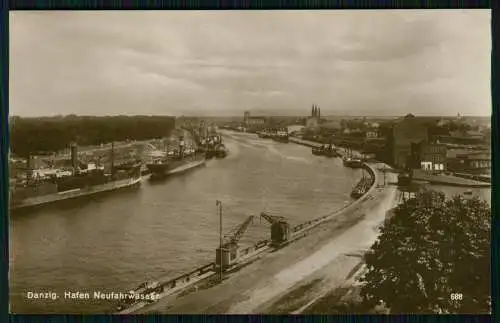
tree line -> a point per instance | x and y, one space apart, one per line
50 134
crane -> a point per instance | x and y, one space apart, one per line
234 237
228 252
280 228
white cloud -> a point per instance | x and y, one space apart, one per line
160 62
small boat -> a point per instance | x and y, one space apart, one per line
318 151
352 162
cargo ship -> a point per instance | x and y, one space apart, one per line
174 162
41 187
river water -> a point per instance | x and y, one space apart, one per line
162 229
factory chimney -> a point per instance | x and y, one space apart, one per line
74 156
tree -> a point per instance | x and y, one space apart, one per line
48 134
432 248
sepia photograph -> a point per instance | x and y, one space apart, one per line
250 162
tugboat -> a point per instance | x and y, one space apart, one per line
175 161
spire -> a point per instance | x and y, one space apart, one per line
315 111
312 111
319 112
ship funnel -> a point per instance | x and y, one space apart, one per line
74 155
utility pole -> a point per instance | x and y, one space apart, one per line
219 206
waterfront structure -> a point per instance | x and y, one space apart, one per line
253 122
471 163
433 156
404 141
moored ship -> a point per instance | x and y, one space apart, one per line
174 162
54 185
326 150
350 161
211 144
281 135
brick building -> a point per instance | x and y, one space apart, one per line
433 156
405 141
253 122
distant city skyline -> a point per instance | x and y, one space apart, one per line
208 63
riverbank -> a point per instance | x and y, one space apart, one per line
260 286
442 179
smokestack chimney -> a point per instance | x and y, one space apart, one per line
29 167
29 164
74 156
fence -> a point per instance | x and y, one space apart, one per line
186 278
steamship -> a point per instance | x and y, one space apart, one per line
169 163
281 135
54 185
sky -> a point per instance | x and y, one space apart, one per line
209 63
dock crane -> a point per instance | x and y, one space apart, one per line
229 248
280 228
